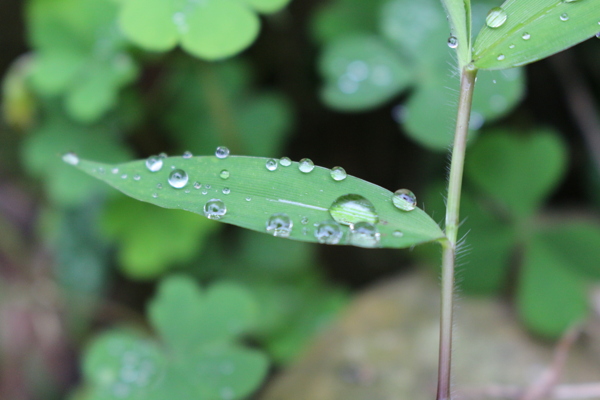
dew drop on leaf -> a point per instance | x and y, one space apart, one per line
526 36
452 42
124 176
70 158
154 163
159 185
137 177
496 17
155 195
564 17
248 198
285 162
329 232
364 234
115 170
197 185
224 174
338 173
398 233
215 209
271 164
162 155
404 200
500 57
306 165
304 220
178 178
279 224
226 190
187 154
222 152
352 208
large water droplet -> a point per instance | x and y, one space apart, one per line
496 17
187 154
222 152
352 208
526 36
564 17
306 165
279 224
404 199
329 232
154 163
178 178
224 174
215 209
271 164
285 162
338 173
364 234
70 158
452 42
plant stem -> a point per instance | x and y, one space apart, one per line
467 86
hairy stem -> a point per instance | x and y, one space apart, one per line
467 85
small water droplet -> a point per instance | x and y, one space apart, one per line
305 231
569 1
187 154
248 198
496 17
306 165
404 200
598 35
137 177
178 178
224 174
159 185
115 170
70 158
197 185
285 162
226 190
162 155
398 233
452 42
207 186
124 176
154 163
352 208
329 232
364 234
186 191
338 173
215 209
564 17
205 191
304 220
222 152
172 167
279 224
512 46
100 170
526 36
155 195
227 393
500 57
271 164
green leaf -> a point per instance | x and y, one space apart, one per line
459 16
498 161
256 193
550 297
268 6
361 73
337 19
535 29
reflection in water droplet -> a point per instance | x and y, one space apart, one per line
306 165
279 224
226 190
154 163
564 17
500 57
496 17
136 177
352 208
452 42
329 232
187 154
285 162
404 200
222 152
338 173
271 164
178 178
224 174
364 234
197 185
526 36
70 158
215 209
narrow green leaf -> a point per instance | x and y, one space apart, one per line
459 16
535 29
252 194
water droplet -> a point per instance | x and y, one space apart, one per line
162 155
70 158
197 185
398 233
186 191
215 209
496 17
598 35
452 42
124 176
338 173
500 57
154 163
404 199
347 85
136 177
364 234
569 1
248 198
159 185
564 17
329 232
226 190
205 191
526 36
357 70
279 224
172 167
187 154
178 178
227 393
100 170
304 220
222 152
512 46
224 174
115 170
306 165
155 195
285 162
271 164
352 208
